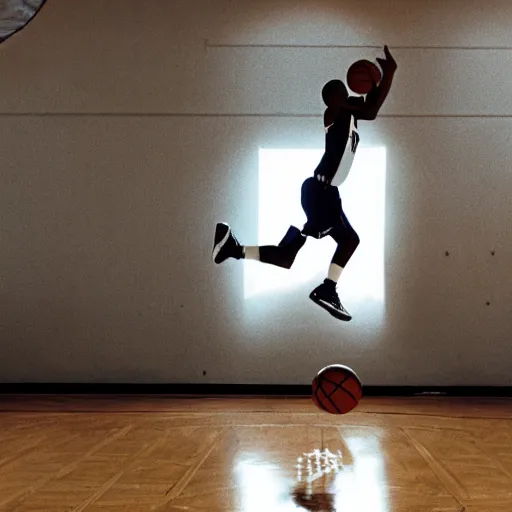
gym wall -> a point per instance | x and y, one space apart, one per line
129 128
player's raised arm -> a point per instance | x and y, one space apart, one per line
376 97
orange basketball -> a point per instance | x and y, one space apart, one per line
362 75
337 389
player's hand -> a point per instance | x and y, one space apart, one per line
389 63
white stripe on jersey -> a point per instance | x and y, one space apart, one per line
348 155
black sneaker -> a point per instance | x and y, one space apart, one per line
225 245
326 297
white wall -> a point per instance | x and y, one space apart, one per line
128 129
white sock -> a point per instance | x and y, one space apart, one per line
334 272
252 253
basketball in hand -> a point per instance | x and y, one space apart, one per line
362 76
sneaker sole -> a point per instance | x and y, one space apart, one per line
219 245
333 312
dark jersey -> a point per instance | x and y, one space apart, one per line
341 141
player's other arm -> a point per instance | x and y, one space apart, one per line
369 109
329 117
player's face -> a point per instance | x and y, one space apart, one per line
339 96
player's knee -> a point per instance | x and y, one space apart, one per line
289 246
293 237
355 240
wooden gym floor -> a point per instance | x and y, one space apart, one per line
142 453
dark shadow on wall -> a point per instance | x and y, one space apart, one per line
16 14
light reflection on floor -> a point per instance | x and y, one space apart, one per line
346 476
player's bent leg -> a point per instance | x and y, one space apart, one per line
285 253
347 245
326 295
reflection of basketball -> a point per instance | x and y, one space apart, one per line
362 75
337 389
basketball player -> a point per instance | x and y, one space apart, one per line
320 197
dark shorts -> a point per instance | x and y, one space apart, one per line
322 205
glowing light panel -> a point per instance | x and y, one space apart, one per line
281 174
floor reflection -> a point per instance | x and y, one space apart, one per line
344 474
317 465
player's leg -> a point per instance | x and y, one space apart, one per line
348 241
326 294
283 255
316 200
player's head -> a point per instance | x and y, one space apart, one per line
334 92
